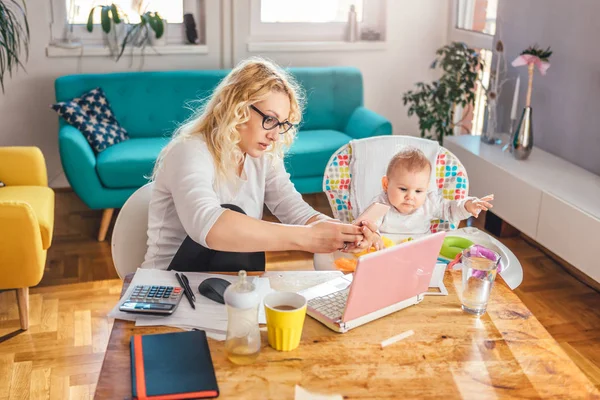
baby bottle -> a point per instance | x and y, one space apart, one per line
243 336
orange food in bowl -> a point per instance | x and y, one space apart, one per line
346 264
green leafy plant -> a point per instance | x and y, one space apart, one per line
138 35
107 14
543 55
435 103
14 37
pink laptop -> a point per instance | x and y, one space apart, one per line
384 282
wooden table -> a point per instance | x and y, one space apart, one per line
506 353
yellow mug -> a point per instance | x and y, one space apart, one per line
285 318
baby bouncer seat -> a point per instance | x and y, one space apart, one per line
353 178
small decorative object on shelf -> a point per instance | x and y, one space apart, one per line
515 104
490 136
191 33
352 27
521 142
369 34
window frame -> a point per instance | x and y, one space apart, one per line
473 39
60 28
373 17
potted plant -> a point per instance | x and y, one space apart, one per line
435 103
14 37
150 28
112 19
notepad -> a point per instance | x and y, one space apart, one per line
172 366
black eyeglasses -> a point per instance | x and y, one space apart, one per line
269 122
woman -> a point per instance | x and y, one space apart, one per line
212 179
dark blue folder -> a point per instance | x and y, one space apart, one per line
172 366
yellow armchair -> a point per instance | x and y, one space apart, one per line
26 222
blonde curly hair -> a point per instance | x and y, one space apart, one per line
218 119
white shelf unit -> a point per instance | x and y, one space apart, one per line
547 198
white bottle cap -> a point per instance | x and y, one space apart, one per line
242 294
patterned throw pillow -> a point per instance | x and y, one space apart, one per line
91 114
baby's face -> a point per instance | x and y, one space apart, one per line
407 191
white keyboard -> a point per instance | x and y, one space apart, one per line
332 306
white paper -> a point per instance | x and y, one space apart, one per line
208 315
303 394
295 281
326 288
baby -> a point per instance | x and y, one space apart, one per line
405 189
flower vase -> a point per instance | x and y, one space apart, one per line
490 136
521 142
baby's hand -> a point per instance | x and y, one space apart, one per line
475 206
378 242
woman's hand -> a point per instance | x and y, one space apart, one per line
327 236
475 206
371 239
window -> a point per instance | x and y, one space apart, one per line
474 22
69 17
477 15
312 20
312 11
171 10
479 109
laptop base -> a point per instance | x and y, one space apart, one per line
343 327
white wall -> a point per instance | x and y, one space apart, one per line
415 29
25 116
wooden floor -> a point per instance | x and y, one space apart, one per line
60 356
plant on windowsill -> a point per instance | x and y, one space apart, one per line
14 37
435 103
112 21
151 26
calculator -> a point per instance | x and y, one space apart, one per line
152 299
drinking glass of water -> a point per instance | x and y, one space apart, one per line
479 268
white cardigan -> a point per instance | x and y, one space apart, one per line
187 197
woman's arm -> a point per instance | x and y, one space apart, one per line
238 232
282 198
319 217
188 173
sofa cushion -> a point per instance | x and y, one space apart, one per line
129 163
311 150
41 199
332 94
92 115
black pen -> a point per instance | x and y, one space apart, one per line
185 291
187 283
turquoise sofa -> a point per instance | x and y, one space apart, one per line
150 105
